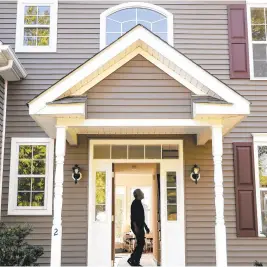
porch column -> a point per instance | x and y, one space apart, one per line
58 193
220 229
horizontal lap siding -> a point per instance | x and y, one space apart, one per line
139 90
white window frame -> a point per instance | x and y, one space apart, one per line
105 14
258 4
13 209
20 47
259 139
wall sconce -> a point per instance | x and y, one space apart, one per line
76 173
195 175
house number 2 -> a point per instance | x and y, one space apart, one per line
55 232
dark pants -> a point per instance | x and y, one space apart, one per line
140 240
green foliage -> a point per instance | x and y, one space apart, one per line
14 250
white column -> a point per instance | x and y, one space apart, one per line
220 229
58 194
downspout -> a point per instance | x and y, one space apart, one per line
3 145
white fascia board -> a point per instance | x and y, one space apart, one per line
62 109
220 109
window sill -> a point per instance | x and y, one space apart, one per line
24 49
258 79
29 212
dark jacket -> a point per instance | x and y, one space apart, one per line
137 214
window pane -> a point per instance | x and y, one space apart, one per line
111 37
264 211
126 26
38 184
260 68
262 155
171 179
136 152
100 214
42 41
24 184
38 167
170 152
163 36
30 10
25 166
30 20
38 199
39 152
257 16
43 20
148 15
145 24
100 179
153 152
100 196
124 15
24 199
172 212
160 26
30 41
119 152
43 10
102 152
113 26
171 196
25 152
32 32
258 33
259 52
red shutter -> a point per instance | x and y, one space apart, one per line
246 215
238 42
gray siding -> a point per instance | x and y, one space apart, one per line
200 32
139 90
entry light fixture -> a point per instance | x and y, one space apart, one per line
76 173
195 173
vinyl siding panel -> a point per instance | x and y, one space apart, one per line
139 90
200 32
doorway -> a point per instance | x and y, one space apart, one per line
103 157
127 178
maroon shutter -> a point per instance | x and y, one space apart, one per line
238 42
246 215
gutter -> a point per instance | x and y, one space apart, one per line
3 145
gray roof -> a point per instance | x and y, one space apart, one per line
70 100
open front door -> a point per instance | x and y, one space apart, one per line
113 216
100 214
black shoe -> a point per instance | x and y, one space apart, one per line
130 262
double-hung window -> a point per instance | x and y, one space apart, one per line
31 176
36 26
257 36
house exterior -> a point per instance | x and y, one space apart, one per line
84 81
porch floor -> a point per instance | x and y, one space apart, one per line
146 260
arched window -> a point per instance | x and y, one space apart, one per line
117 20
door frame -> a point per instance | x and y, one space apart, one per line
180 245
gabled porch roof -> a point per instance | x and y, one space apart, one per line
214 100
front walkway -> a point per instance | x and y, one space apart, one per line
146 260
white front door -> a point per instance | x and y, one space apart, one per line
100 214
172 213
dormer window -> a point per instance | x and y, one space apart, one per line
118 20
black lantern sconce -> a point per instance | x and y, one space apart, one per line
76 173
195 173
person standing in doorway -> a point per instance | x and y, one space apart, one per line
138 225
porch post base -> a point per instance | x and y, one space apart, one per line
221 255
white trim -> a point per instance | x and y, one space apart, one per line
251 4
259 139
53 26
3 145
131 38
180 200
12 197
114 9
